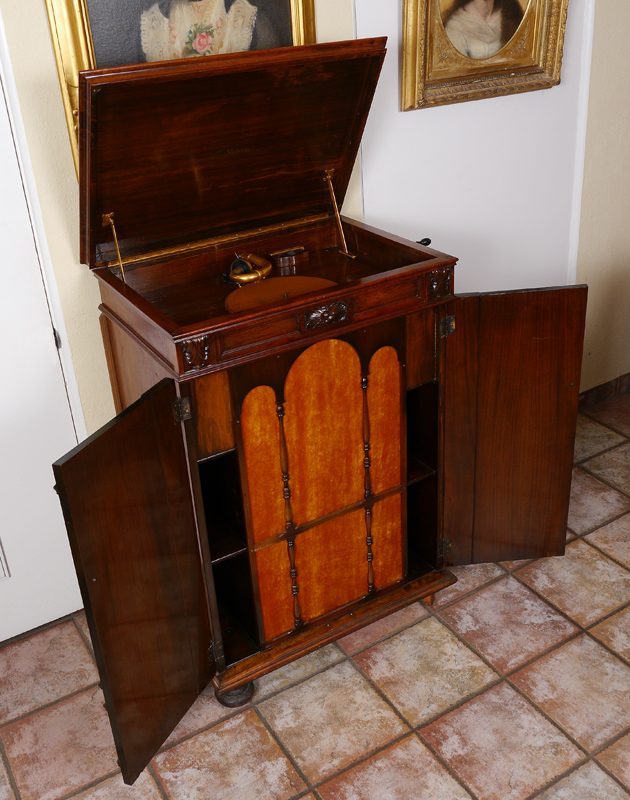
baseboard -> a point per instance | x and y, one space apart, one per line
596 395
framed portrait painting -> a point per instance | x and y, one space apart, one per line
458 50
89 34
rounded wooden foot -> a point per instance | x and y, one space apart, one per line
236 697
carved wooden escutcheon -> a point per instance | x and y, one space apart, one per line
196 353
326 315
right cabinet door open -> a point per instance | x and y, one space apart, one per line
510 376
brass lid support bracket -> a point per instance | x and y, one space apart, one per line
328 178
108 219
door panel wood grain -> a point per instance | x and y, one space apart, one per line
128 506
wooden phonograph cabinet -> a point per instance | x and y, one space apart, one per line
305 451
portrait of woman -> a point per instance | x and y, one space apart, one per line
160 30
480 28
188 28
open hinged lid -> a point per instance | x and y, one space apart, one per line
191 150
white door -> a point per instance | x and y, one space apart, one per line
36 424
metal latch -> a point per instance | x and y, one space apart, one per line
182 410
444 547
447 326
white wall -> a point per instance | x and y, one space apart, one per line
489 181
604 253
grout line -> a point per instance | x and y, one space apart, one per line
588 414
27 714
600 525
548 717
603 480
40 629
610 774
4 761
276 738
239 710
601 452
156 778
91 785
559 778
86 639
365 757
444 763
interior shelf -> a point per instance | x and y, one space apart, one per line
417 470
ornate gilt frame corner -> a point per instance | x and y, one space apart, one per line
434 73
74 50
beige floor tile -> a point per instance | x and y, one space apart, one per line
614 539
593 503
591 438
297 671
500 746
331 720
206 710
508 623
62 748
236 760
584 688
425 670
43 668
583 583
613 467
614 412
588 782
405 771
144 788
367 636
468 578
6 792
615 632
616 758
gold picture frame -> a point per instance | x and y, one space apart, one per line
435 72
74 48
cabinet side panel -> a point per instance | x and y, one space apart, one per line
529 369
214 416
134 371
420 358
127 502
459 367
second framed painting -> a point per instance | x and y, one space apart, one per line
89 34
458 50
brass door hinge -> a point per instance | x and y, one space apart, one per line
447 326
181 410
444 547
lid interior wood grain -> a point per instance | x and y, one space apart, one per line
186 151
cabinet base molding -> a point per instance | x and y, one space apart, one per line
308 640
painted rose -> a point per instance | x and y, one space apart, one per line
202 42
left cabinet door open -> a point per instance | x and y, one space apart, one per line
132 525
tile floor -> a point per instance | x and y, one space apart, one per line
514 685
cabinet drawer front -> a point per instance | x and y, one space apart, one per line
260 336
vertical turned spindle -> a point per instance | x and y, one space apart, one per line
367 493
288 517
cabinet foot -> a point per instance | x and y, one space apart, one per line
236 697
428 600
